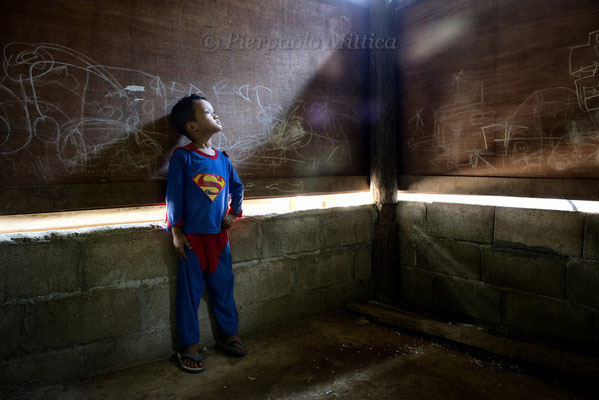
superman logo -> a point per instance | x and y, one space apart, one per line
210 184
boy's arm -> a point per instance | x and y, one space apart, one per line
174 203
174 191
236 194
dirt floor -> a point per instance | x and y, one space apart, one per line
327 357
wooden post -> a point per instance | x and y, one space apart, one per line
383 151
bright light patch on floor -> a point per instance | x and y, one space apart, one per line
504 201
156 214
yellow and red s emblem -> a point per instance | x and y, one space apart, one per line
210 184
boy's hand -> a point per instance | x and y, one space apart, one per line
179 241
228 221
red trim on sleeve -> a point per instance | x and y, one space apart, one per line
232 212
179 224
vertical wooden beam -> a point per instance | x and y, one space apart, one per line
383 105
383 152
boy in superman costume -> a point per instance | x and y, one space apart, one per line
201 180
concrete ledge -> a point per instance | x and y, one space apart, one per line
528 271
460 221
543 230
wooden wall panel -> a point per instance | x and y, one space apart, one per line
500 88
86 87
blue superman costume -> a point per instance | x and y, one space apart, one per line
197 198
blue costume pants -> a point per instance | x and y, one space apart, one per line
191 282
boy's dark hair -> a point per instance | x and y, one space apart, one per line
182 112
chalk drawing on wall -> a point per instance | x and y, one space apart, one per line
60 112
553 129
309 134
584 66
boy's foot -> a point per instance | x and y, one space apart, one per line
233 345
194 350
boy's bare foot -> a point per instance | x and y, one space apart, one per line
194 350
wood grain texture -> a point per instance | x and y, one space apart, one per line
86 87
500 88
506 347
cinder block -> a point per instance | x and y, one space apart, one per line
126 351
41 368
326 268
290 308
264 280
249 318
156 307
449 257
460 221
244 239
416 287
207 323
411 217
11 330
407 249
583 282
363 263
345 226
127 255
591 236
543 230
282 235
40 268
335 297
528 271
85 318
546 318
596 335
468 298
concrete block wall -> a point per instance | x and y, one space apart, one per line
78 303
529 274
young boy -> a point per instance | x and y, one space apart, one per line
201 180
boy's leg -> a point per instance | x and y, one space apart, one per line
190 287
220 287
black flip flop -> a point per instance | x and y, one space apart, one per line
229 347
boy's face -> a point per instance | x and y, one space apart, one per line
206 122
